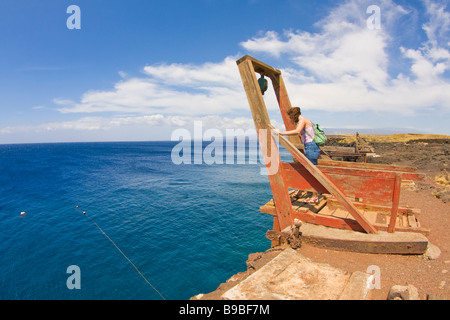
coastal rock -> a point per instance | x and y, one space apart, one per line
403 293
437 297
432 252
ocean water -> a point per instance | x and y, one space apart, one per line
187 228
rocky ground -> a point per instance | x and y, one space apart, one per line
431 196
431 157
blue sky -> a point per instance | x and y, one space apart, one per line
140 69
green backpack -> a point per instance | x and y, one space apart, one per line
319 135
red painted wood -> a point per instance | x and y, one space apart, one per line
395 202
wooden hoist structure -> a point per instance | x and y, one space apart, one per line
359 208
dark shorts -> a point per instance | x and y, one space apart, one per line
312 152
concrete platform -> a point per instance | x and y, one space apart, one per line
291 276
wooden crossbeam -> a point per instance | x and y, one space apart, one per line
259 66
371 166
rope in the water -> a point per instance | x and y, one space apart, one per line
92 220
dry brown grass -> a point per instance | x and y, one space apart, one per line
401 137
443 179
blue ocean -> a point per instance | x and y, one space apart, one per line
186 228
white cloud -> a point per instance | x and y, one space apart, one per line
38 107
270 43
345 66
438 27
211 88
222 74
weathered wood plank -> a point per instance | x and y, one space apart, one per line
375 166
412 221
370 172
382 242
395 202
259 66
382 209
284 104
350 150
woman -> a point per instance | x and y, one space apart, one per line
306 131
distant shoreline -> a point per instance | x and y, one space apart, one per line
397 137
370 137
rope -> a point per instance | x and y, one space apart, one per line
92 220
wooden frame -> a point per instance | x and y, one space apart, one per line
375 184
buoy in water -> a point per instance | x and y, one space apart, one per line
23 213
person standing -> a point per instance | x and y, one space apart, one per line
306 131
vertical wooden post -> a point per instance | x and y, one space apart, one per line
276 227
285 104
395 202
261 119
